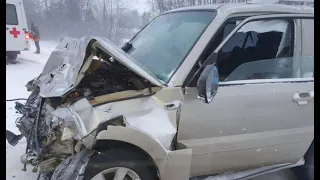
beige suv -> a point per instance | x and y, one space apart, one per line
217 90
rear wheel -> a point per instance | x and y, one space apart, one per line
12 55
306 171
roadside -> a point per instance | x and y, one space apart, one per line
27 66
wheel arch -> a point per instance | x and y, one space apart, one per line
111 143
170 164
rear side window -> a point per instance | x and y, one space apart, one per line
11 15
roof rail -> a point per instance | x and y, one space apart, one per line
296 3
286 2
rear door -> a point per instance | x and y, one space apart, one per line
15 26
263 111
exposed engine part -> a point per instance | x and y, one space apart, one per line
27 158
12 138
17 99
49 165
109 78
103 77
46 130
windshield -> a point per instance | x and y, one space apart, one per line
164 43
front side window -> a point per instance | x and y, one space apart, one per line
222 33
260 50
11 15
163 44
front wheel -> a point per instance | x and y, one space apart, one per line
117 173
12 55
111 163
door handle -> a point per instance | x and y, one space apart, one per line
7 28
303 98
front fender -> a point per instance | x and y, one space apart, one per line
171 164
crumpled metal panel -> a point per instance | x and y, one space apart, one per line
64 64
155 122
81 117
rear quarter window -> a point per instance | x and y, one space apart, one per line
11 15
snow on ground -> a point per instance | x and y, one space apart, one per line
27 66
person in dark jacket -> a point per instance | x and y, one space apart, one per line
35 33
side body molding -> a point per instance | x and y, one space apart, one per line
171 164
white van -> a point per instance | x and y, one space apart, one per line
17 37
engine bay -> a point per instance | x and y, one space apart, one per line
109 78
104 76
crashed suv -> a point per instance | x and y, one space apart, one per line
217 90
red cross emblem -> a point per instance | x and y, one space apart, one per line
14 32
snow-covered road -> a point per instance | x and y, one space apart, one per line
26 67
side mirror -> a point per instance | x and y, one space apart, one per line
208 83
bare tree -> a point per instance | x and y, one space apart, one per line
109 18
78 18
165 5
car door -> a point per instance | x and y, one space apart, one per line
263 111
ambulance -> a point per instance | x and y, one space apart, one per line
17 36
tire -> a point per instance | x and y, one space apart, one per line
12 55
45 176
87 164
306 172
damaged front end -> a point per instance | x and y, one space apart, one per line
86 86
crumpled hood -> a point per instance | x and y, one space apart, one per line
62 70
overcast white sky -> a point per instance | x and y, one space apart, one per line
140 5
